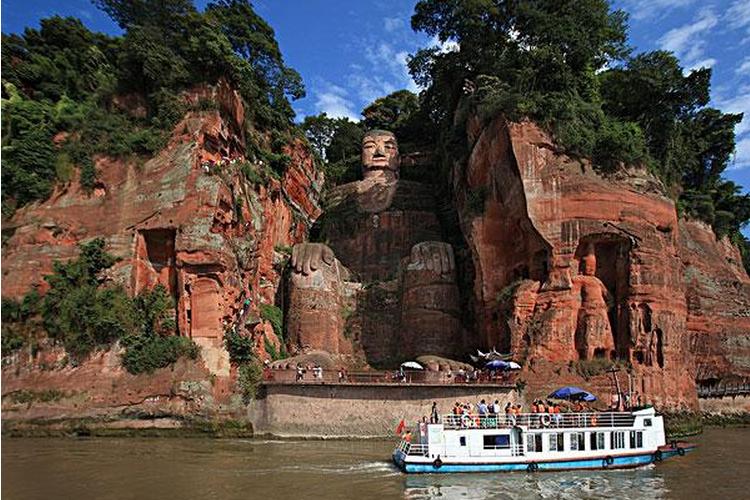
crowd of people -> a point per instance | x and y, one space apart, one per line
317 372
488 413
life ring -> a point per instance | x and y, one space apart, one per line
657 456
545 420
533 467
467 421
607 461
437 463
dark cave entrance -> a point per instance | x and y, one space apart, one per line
155 256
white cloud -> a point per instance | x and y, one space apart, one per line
384 56
737 103
741 154
744 67
705 63
738 15
334 101
392 24
446 46
369 87
687 41
642 9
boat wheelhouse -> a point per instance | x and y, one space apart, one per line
537 441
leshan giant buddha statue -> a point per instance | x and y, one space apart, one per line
381 283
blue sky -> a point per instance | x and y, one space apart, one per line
350 52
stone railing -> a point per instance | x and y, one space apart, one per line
724 390
289 376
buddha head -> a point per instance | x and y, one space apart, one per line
589 261
379 153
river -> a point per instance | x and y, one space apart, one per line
165 468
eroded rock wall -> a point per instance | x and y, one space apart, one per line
214 240
572 266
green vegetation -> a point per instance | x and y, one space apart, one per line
83 315
567 65
79 313
242 353
275 316
239 347
682 424
338 141
248 380
120 96
24 396
153 343
19 321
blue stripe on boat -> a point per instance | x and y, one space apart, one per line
628 461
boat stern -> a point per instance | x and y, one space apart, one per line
399 456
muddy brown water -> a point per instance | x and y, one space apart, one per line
166 468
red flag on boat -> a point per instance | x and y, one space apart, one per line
400 428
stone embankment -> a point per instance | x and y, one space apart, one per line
351 410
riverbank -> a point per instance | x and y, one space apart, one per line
304 410
678 425
146 427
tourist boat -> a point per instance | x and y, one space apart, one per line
537 441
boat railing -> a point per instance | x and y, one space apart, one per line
539 420
516 450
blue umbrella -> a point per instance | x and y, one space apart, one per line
497 364
572 393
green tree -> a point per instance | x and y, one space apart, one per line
65 78
339 142
319 130
76 311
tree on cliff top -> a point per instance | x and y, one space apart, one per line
65 78
169 44
566 64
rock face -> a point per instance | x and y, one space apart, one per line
563 266
213 239
570 266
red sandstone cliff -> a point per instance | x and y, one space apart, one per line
212 240
662 294
567 265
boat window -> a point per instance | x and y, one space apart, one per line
496 441
556 442
597 441
462 440
618 440
647 422
577 441
636 439
534 442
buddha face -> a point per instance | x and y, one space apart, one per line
380 152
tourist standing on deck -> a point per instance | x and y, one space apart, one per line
434 413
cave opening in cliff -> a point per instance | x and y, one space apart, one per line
611 255
155 260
